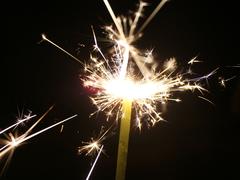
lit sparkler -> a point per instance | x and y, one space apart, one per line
121 88
115 81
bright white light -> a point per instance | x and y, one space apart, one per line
14 142
127 89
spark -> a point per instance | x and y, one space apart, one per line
19 121
205 77
44 38
90 148
47 128
11 138
126 34
209 74
16 141
223 81
160 5
193 60
13 141
61 128
90 172
94 145
236 66
206 100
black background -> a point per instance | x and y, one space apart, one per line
198 141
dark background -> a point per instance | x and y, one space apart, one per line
199 141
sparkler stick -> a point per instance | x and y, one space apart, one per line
90 172
123 139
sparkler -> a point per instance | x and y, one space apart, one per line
121 91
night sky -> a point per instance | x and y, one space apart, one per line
198 141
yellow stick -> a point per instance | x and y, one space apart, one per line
123 139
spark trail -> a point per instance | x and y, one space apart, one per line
16 141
